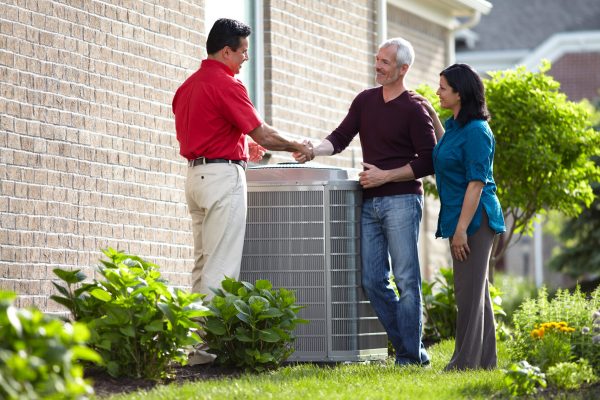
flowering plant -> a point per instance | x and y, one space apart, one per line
551 330
552 344
588 342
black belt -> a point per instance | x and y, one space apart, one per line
203 160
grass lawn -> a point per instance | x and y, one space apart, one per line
343 381
350 381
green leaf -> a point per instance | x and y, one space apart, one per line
69 277
242 337
269 335
100 294
263 284
63 301
215 326
245 318
155 326
128 331
242 307
86 354
166 310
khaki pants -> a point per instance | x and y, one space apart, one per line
217 202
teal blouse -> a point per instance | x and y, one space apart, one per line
466 154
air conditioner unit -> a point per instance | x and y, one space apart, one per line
303 234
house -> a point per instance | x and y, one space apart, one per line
88 154
516 32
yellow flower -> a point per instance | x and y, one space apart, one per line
535 333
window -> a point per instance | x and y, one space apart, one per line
249 12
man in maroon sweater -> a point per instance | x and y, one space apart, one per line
397 140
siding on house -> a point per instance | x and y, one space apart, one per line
88 154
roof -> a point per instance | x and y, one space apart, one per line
525 24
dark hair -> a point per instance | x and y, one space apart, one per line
464 80
226 32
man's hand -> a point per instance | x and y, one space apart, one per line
372 176
306 154
256 151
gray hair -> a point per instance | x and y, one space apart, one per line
405 54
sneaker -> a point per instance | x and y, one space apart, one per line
200 356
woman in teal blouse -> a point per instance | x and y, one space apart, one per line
470 214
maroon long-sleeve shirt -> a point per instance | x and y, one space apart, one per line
392 135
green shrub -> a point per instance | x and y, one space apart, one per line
138 324
571 375
252 325
572 309
523 379
439 306
39 355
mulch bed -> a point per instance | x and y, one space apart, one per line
106 385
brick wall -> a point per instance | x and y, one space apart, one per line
318 57
88 155
428 40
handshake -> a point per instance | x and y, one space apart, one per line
305 151
302 152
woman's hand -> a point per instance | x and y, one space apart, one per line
459 247
423 101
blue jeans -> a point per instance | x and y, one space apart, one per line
390 231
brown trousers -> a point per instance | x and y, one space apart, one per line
475 345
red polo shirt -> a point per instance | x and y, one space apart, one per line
213 114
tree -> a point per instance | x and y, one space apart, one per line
544 144
580 254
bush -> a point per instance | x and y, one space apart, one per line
439 306
138 324
251 326
39 355
523 379
572 309
570 375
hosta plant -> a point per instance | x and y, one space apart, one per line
252 325
138 323
40 355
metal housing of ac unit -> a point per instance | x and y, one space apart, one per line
302 234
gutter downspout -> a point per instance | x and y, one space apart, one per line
450 47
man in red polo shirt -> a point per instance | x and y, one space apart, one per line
213 117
